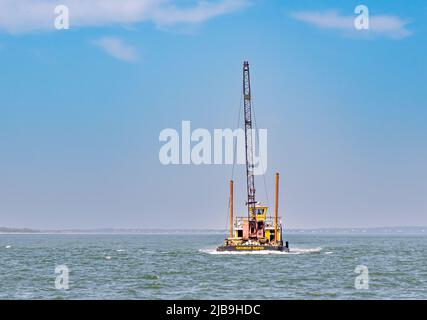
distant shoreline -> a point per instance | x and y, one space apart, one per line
373 230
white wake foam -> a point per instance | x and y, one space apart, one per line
305 250
291 251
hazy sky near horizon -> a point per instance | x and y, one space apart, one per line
81 111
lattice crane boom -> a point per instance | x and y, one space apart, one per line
249 148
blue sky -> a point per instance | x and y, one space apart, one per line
81 111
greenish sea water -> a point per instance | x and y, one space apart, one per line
186 266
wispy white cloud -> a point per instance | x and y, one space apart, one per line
379 25
116 48
30 15
201 11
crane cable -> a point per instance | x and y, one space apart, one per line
235 141
234 155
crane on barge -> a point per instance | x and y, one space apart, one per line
257 231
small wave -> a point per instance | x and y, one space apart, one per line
322 294
8 247
153 286
107 257
328 252
120 250
151 277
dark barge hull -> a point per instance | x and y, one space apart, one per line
249 248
